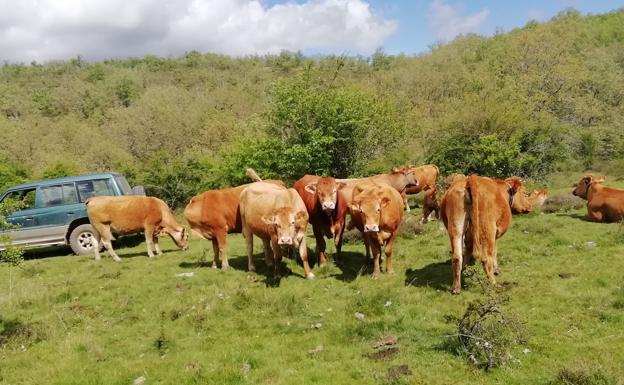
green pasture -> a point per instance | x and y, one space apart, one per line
71 320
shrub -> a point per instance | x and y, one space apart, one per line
582 376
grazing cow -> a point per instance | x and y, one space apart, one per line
215 213
476 212
426 175
537 198
377 210
325 207
604 204
398 178
431 204
133 214
278 216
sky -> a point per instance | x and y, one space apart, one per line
44 30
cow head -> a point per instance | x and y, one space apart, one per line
538 197
287 225
583 186
410 175
326 190
180 236
369 203
514 185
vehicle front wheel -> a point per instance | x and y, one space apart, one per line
81 240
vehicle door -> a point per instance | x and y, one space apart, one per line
57 206
25 218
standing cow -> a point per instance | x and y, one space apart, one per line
215 213
476 212
133 214
278 216
427 176
604 204
377 210
398 179
325 207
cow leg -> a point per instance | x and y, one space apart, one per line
338 240
406 203
376 251
96 244
457 259
268 252
222 243
249 244
303 253
106 236
388 251
156 245
215 248
425 215
277 257
367 247
320 245
488 266
149 240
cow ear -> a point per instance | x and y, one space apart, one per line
385 201
311 188
354 207
269 220
340 185
600 179
357 190
396 169
588 179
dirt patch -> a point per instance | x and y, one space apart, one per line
396 372
384 354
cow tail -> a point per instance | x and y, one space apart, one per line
476 231
251 174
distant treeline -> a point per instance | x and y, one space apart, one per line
525 102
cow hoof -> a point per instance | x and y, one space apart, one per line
497 272
375 276
225 267
117 259
214 265
310 276
455 291
251 268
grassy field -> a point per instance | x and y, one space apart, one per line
72 320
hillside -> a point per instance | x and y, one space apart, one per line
529 100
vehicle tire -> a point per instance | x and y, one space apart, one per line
81 240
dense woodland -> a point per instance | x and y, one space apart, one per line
539 98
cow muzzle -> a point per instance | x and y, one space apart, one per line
285 241
328 205
371 228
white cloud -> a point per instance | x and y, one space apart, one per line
95 29
449 20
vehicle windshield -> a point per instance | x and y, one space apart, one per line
123 184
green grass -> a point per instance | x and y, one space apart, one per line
72 320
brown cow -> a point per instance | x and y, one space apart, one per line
431 204
278 216
426 175
325 207
399 178
523 202
215 213
377 210
476 212
604 204
133 214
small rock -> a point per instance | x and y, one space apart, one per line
591 244
526 351
316 350
388 303
245 368
316 325
385 341
187 274
396 372
385 354
139 380
359 316
566 275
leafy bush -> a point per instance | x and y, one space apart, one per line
531 152
11 174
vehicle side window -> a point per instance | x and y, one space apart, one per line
58 195
91 188
25 197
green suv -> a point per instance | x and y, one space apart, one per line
53 211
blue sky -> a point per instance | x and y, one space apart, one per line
45 30
414 33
